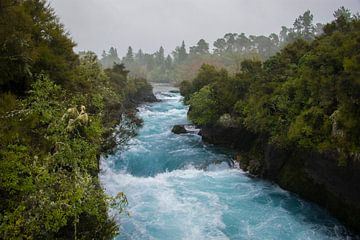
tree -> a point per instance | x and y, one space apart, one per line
284 34
203 108
220 46
180 54
263 45
230 41
343 12
139 57
307 94
206 75
129 58
54 130
303 26
160 56
319 29
149 61
275 44
113 52
242 43
307 21
168 62
228 52
32 42
103 55
110 58
201 48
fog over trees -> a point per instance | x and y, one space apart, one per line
283 104
227 52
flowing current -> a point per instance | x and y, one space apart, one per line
180 188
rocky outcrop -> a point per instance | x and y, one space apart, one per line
185 128
314 176
147 97
175 91
179 129
126 115
319 178
144 96
229 137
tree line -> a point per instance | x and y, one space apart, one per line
228 52
306 96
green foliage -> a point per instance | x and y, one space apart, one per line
206 75
49 176
201 48
129 58
56 111
110 58
185 89
119 202
202 110
309 128
307 94
31 43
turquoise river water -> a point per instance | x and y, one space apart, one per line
180 188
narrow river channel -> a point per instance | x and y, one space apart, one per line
180 188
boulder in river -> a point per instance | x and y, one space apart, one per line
179 129
175 91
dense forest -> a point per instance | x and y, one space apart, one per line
228 52
303 99
298 90
307 93
57 114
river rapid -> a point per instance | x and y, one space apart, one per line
180 188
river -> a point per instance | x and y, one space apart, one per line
180 188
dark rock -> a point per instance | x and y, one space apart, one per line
314 176
147 96
319 178
150 98
274 160
229 137
174 91
142 96
179 129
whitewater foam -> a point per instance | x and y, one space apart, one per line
181 188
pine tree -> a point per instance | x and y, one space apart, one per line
160 56
180 53
129 58
168 62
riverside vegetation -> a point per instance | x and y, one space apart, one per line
58 110
57 113
294 118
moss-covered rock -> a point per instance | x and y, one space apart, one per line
179 129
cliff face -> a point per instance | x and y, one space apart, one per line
316 177
143 95
126 116
231 137
319 178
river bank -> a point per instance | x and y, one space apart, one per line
180 188
314 176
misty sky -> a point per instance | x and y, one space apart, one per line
98 24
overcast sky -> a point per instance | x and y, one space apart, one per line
148 24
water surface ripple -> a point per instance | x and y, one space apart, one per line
180 188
